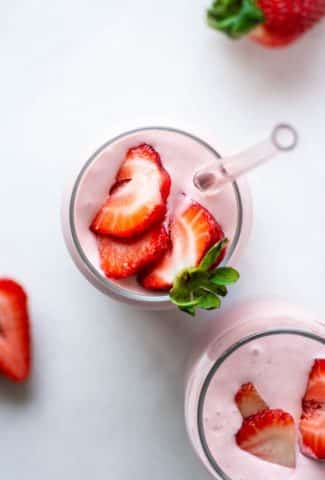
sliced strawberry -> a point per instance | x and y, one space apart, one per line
15 355
138 199
121 258
315 392
144 160
312 424
249 401
312 434
269 435
193 231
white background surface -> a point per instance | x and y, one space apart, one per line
105 397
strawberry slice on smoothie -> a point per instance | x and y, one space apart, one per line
249 401
137 200
192 231
271 436
312 424
123 258
145 159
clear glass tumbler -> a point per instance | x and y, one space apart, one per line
181 153
269 343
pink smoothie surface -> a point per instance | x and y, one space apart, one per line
279 366
181 156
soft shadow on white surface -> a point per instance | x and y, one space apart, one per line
15 394
276 68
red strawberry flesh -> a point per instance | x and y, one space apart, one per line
15 357
270 435
138 198
144 160
249 401
121 258
312 434
316 385
286 20
312 424
193 231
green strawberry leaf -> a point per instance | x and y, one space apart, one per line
209 301
224 276
235 17
189 310
201 287
212 255
221 290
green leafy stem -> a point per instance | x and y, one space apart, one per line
202 286
235 17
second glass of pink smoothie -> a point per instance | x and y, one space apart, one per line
272 345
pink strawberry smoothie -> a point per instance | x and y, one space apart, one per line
181 156
277 364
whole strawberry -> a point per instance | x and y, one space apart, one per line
273 23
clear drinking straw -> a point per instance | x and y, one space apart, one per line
213 177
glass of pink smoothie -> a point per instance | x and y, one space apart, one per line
181 154
270 344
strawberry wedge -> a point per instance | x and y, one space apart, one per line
123 258
270 435
249 401
192 231
138 198
312 424
15 357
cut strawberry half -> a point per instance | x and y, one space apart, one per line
121 258
138 198
192 231
312 434
249 401
15 355
312 424
315 392
144 160
270 435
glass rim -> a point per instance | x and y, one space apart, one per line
215 367
105 283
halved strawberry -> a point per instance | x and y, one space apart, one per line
121 258
138 199
15 355
312 424
193 231
315 392
271 436
312 434
249 401
144 160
